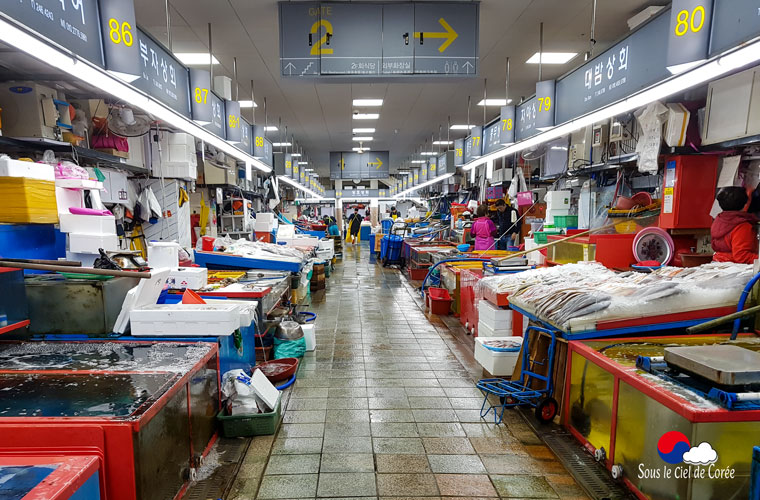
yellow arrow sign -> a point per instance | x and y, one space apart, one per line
378 163
450 35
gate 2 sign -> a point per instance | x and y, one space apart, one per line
373 39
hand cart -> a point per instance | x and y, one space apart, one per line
521 393
390 246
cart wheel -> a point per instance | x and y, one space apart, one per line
546 410
507 400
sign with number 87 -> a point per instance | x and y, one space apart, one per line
200 95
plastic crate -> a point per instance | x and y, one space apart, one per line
257 424
541 237
566 221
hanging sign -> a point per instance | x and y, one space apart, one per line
734 22
200 103
527 112
122 54
268 152
507 122
545 104
233 123
689 36
73 24
246 143
259 141
163 76
441 165
458 153
473 145
492 138
216 106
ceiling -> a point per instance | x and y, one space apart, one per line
319 113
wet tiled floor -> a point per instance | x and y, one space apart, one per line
386 408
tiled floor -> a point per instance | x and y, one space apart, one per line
386 408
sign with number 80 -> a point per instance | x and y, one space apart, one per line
120 33
685 21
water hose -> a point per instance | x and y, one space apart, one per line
742 302
422 289
287 384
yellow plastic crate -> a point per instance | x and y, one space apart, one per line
27 201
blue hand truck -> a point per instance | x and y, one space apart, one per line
521 393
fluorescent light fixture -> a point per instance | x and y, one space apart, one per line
551 57
281 144
250 104
715 68
288 180
428 153
368 102
307 169
418 161
424 185
443 143
306 163
271 128
295 155
195 58
359 149
364 131
364 138
462 127
493 102
366 116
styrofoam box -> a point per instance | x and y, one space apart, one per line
88 224
17 168
209 320
265 217
90 243
557 199
310 336
187 277
498 364
87 259
493 316
263 227
327 244
485 330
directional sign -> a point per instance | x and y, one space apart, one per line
458 153
372 39
122 54
734 22
163 76
73 24
446 38
492 138
354 39
358 166
473 145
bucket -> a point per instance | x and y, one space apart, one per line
207 243
439 300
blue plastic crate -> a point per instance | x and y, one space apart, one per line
222 261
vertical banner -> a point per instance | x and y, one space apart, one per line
233 122
507 125
545 104
122 54
689 36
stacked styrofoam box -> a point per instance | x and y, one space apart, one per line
534 258
87 234
557 203
264 222
326 249
177 157
493 321
497 363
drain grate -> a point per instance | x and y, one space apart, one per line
589 474
231 452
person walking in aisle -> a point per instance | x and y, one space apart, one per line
354 225
483 229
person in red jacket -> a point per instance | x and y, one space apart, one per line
734 238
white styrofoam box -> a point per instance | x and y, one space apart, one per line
494 316
87 259
286 231
265 217
557 200
208 320
90 243
137 147
534 258
88 224
146 293
246 309
115 189
30 170
310 336
327 244
263 227
163 254
187 277
498 364
68 198
325 254
486 330
223 87
265 389
176 158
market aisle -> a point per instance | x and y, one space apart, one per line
384 408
